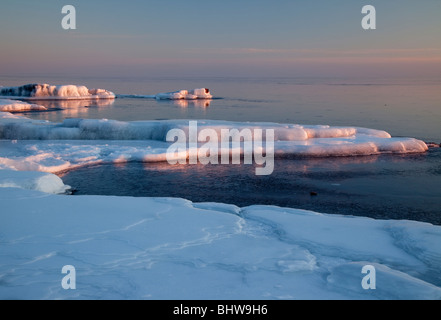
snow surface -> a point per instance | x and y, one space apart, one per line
7 105
52 92
163 248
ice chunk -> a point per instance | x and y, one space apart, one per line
40 181
195 94
201 93
62 92
175 95
7 105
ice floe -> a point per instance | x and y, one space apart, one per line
200 93
7 105
54 92
195 94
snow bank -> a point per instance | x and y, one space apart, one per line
7 105
62 92
40 181
18 127
161 248
77 142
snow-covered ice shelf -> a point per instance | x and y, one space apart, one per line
54 92
163 248
79 142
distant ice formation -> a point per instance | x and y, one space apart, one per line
74 92
46 91
195 94
201 93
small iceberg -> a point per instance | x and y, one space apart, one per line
52 92
201 93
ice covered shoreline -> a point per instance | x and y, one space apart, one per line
164 248
168 248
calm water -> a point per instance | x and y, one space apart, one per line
394 187
384 187
409 107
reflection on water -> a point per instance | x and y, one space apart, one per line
182 103
58 110
70 108
296 165
72 104
381 187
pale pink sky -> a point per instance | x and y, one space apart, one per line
200 38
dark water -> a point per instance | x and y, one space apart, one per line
381 187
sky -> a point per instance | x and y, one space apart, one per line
221 38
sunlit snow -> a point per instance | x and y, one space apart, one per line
163 248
